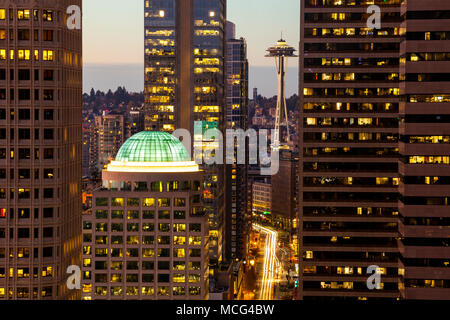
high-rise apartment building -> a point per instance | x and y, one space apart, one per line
185 85
147 235
284 191
40 149
374 132
111 132
349 151
424 165
237 214
261 197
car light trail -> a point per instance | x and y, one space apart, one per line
271 262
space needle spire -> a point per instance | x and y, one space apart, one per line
281 52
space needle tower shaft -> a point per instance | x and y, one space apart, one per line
281 52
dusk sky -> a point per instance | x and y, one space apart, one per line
114 41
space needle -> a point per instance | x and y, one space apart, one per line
281 52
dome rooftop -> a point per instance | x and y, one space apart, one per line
152 146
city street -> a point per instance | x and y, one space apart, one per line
271 266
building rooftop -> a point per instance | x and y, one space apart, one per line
150 146
151 151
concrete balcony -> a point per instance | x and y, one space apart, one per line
384 263
424 252
430 66
352 233
351 248
418 190
343 277
424 87
425 108
427 293
423 231
418 211
431 45
424 148
421 170
427 273
349 293
436 129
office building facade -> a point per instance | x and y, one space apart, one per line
284 191
185 86
349 152
111 131
40 149
147 235
374 135
237 220
424 149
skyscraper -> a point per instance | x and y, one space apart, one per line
40 149
424 147
147 235
237 215
185 84
110 129
373 177
284 191
348 128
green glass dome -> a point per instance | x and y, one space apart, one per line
150 146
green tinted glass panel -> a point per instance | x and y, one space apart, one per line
148 146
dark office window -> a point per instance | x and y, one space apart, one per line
48 75
24 154
48 193
163 278
24 213
48 94
48 232
24 94
24 114
23 34
48 154
24 174
47 252
48 35
48 134
48 114
24 134
48 213
23 233
24 74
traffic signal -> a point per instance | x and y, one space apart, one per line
296 283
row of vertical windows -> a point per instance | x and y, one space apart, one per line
25 114
25 154
25 34
146 291
27 14
26 54
25 94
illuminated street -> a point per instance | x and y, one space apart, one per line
271 265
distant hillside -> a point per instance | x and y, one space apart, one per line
120 97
